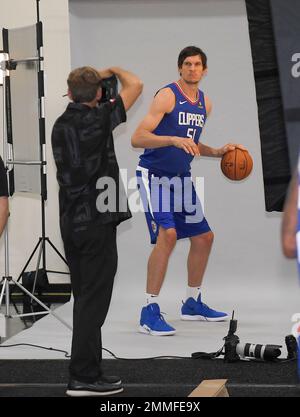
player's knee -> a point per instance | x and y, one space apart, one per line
209 238
168 237
204 239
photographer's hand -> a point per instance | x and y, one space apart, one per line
105 73
131 85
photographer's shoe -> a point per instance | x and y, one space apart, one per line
196 310
111 379
152 322
106 385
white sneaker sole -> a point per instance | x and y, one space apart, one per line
146 330
203 318
79 393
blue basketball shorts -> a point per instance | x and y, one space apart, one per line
170 202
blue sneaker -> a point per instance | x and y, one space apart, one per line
196 310
152 322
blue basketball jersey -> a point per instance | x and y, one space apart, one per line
186 120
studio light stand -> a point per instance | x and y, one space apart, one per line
6 66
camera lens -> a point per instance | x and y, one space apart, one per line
250 350
263 352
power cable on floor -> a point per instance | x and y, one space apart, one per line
149 358
67 355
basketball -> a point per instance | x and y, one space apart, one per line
237 164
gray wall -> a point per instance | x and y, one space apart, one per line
146 37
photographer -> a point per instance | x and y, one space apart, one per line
84 152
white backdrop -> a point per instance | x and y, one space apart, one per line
146 37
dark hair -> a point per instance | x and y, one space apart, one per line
192 51
84 83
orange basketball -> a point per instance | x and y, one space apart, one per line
237 164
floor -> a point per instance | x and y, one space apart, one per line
23 305
264 317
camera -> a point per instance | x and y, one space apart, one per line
109 88
234 350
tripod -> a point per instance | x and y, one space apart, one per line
7 279
10 162
41 244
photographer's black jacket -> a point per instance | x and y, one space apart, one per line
83 150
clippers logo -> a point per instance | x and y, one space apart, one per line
154 226
296 327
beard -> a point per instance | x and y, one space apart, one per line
191 82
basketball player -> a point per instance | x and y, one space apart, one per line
170 134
